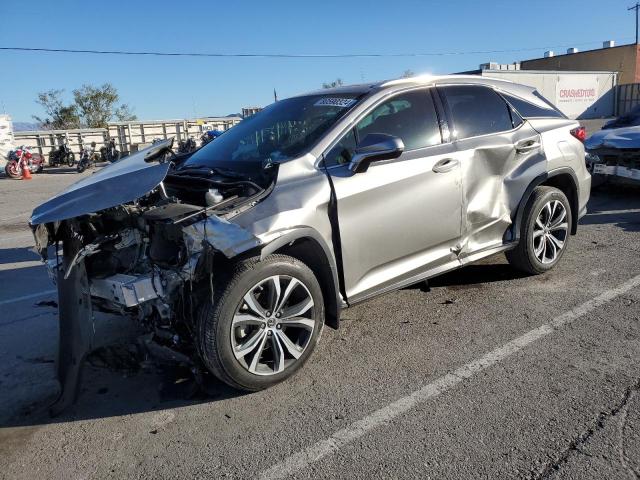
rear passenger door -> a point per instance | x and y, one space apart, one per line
500 154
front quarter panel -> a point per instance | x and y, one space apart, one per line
298 201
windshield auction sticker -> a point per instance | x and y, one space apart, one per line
335 102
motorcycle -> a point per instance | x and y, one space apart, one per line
62 156
109 153
21 157
187 146
209 136
88 158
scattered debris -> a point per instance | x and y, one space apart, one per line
47 303
119 358
38 360
448 302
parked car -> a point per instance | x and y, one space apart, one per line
614 154
629 119
238 256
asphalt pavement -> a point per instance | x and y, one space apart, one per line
487 374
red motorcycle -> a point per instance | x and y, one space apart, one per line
21 157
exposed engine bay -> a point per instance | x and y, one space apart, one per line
149 258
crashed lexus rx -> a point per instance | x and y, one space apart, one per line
235 256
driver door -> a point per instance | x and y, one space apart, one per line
402 217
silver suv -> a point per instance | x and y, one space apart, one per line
236 255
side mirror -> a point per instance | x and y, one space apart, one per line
373 148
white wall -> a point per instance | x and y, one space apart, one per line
579 95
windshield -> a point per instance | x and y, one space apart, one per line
283 130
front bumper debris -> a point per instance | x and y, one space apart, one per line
617 171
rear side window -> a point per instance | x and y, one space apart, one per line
477 111
530 110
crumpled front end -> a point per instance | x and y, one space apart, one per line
149 259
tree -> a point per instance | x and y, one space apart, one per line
408 74
336 83
97 106
60 116
92 107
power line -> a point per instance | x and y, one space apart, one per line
284 55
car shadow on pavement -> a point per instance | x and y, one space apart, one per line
119 377
477 275
17 254
114 391
622 207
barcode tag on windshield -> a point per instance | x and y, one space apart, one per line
335 102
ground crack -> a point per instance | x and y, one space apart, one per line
624 458
599 423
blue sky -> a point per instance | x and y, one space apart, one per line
164 87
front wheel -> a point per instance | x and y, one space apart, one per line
71 159
545 231
82 165
12 169
263 324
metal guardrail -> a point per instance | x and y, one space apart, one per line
129 136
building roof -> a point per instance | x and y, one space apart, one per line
607 49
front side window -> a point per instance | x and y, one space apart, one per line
476 111
410 116
342 151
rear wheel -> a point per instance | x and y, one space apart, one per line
545 231
71 159
263 324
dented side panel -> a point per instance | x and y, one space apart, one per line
495 176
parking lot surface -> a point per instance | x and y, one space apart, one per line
486 374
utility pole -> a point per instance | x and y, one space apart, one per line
636 7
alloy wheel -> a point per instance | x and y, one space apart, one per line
273 325
550 231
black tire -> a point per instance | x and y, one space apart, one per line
523 257
82 166
12 170
71 159
215 320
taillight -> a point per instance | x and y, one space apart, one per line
580 133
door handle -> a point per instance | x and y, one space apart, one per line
528 145
446 165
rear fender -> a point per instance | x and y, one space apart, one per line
513 234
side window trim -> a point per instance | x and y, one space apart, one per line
448 118
440 114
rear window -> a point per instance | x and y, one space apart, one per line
529 110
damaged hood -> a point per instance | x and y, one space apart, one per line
118 183
628 137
